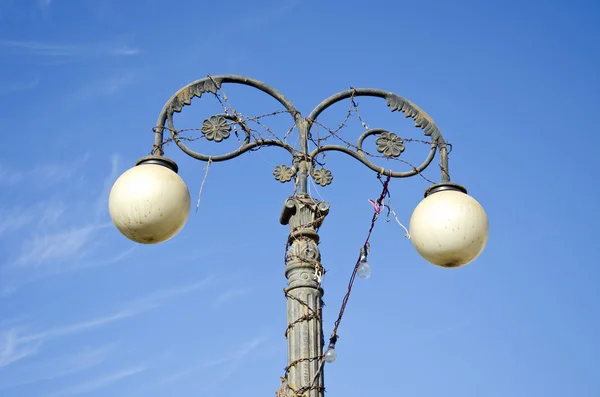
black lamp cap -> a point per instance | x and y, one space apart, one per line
159 160
440 187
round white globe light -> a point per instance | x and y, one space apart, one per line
449 228
150 203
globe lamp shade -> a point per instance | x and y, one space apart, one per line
449 228
150 203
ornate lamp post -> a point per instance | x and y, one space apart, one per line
150 203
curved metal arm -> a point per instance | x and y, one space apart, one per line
395 103
359 155
217 128
245 145
212 84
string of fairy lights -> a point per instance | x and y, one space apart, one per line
361 270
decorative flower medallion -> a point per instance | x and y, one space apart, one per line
389 144
322 176
216 128
283 173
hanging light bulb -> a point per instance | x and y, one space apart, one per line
330 355
364 270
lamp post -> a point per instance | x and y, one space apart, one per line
150 203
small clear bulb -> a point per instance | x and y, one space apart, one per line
330 355
364 270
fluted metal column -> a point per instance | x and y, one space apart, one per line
304 305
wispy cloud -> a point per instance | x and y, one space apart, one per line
57 367
238 357
109 85
15 345
81 326
43 175
155 299
226 366
130 309
102 200
70 50
51 239
124 50
229 295
42 215
11 349
75 243
116 258
58 247
98 383
52 254
14 220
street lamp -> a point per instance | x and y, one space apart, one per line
150 204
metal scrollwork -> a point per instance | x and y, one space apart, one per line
283 173
410 110
184 96
216 128
389 144
322 176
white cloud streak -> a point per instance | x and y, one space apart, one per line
59 240
238 357
124 50
157 298
59 247
57 367
14 220
102 201
15 347
42 215
43 175
82 326
98 383
11 350
228 364
109 85
69 50
229 295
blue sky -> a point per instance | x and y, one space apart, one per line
84 312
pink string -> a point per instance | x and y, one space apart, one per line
376 206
